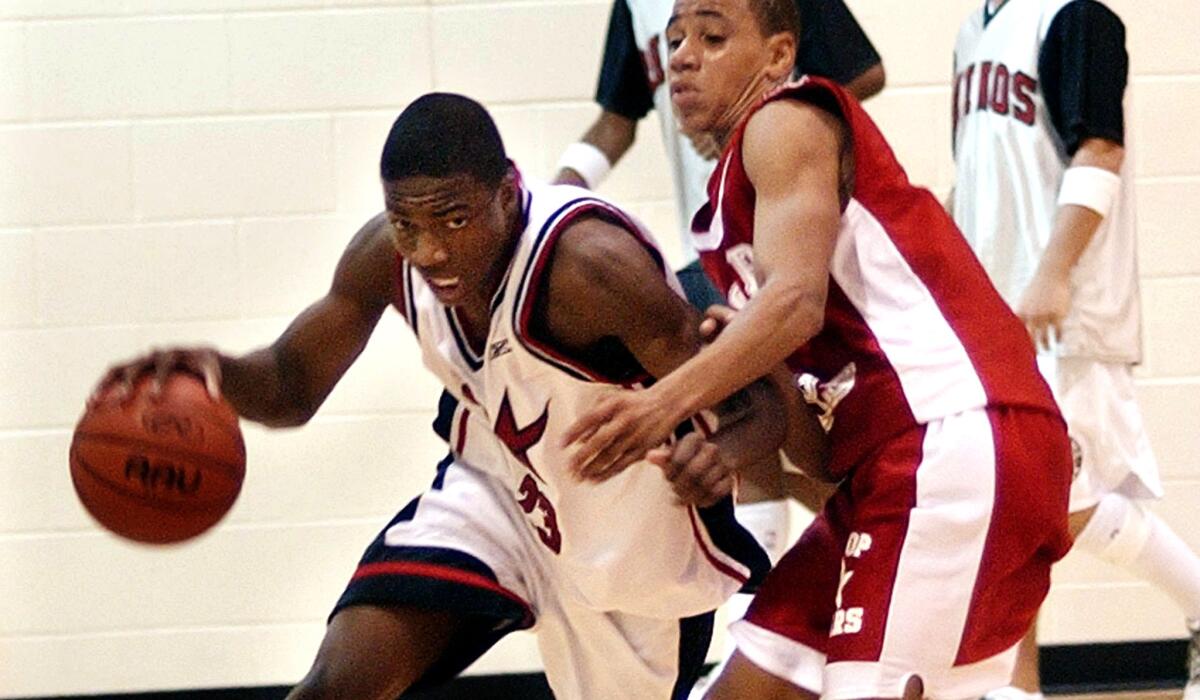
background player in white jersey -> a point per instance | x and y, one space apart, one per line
925 568
632 82
529 303
1044 194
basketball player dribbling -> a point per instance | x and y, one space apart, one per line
924 568
530 302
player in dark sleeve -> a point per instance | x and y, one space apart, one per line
833 45
1083 67
623 87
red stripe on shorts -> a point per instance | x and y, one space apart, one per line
439 572
462 431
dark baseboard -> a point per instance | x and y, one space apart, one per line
1089 668
1066 669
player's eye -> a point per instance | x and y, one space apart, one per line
714 39
456 222
673 44
403 233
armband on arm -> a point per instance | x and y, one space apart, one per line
587 160
1090 187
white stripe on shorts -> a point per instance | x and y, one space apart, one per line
939 563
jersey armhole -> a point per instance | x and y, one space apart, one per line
826 100
533 290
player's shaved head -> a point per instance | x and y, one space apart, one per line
443 135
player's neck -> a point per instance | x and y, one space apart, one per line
476 310
737 112
993 6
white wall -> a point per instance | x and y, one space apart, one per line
186 171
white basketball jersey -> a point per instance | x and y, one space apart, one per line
623 544
689 170
1010 162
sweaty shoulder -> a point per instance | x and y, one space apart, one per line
365 272
607 305
797 131
810 115
595 270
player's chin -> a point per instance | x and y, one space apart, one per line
691 123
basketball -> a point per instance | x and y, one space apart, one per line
159 470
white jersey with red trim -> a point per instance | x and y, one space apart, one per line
1010 162
913 330
623 544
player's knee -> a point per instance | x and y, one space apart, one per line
322 684
1117 531
914 688
329 679
317 684
741 679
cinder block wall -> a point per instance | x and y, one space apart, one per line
187 171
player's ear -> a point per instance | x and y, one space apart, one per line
510 191
782 48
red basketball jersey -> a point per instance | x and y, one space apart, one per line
914 331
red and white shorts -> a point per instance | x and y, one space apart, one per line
931 559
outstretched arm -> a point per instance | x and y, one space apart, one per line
284 384
792 154
604 284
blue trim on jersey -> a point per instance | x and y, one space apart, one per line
443 423
498 297
474 361
728 535
407 513
523 293
442 467
410 303
988 15
695 636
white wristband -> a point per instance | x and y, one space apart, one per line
1091 187
587 160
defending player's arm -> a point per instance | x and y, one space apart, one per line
792 153
284 384
1084 68
806 444
603 283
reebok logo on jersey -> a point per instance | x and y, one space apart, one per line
498 348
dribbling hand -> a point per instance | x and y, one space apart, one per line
117 383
